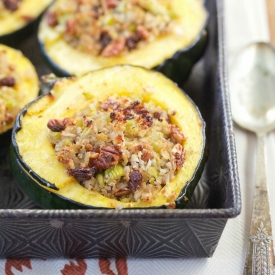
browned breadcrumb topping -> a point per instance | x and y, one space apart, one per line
124 149
9 5
9 106
109 27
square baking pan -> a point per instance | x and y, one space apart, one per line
28 231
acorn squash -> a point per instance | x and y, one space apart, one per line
18 18
73 50
19 85
39 167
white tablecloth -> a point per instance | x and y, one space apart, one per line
246 22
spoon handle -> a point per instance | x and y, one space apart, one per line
260 254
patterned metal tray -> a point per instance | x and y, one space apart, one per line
28 231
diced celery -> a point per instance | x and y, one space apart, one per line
132 28
79 123
153 6
66 141
131 127
152 171
109 20
10 103
157 145
155 135
88 94
100 180
55 136
114 172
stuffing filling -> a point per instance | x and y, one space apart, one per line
124 149
9 105
109 27
9 5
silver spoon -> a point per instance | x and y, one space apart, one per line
252 92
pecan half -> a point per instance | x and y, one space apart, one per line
109 156
8 81
56 125
11 5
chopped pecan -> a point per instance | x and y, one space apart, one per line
110 4
138 148
113 116
179 155
56 125
89 147
127 114
51 18
70 27
87 122
8 81
118 139
121 115
110 104
146 155
68 122
135 180
97 11
176 134
8 118
123 192
114 48
27 18
156 115
142 32
81 174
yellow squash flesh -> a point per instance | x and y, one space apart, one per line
191 18
70 95
27 87
28 11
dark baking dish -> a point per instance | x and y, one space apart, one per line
27 231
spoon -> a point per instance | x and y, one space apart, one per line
252 92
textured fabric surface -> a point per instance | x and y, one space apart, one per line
245 22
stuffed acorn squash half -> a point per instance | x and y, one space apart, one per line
18 17
119 137
169 36
19 85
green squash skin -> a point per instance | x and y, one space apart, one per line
5 141
177 68
14 38
28 181
49 200
39 195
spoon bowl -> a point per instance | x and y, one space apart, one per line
252 86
